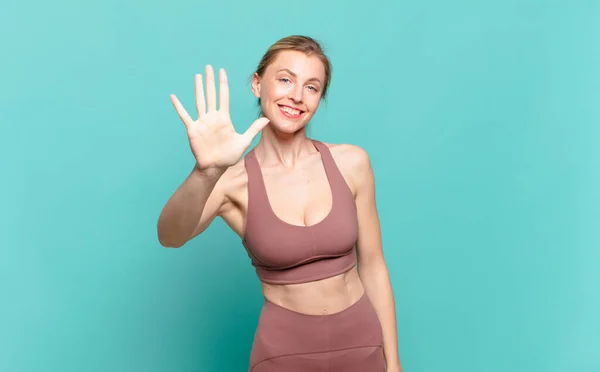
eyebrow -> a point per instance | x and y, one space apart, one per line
293 74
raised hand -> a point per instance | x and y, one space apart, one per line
213 139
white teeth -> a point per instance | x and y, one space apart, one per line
290 111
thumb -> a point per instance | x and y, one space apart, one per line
255 127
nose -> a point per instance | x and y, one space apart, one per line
296 93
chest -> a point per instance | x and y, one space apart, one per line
300 197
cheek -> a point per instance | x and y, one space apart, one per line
313 101
273 91
281 90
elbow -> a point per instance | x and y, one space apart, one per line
168 242
373 267
167 237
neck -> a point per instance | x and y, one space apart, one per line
284 149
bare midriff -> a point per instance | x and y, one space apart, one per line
321 297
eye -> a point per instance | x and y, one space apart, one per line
313 88
285 80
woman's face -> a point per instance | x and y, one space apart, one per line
290 90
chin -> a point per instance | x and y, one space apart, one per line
286 126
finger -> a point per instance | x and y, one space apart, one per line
200 104
255 128
211 95
185 117
223 91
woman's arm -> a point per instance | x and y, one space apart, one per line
371 264
191 208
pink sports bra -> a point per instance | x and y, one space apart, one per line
283 253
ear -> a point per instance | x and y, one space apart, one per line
256 85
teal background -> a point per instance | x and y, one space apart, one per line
481 119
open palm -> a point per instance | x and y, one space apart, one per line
213 139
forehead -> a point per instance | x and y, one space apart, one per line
300 63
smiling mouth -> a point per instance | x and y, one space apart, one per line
291 113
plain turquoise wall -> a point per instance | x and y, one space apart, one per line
481 117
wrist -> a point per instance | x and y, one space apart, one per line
211 172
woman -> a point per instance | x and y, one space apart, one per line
305 212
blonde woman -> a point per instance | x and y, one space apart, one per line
305 212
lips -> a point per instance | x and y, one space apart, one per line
290 112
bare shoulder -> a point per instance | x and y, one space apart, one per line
354 163
348 155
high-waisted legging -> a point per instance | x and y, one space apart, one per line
346 341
